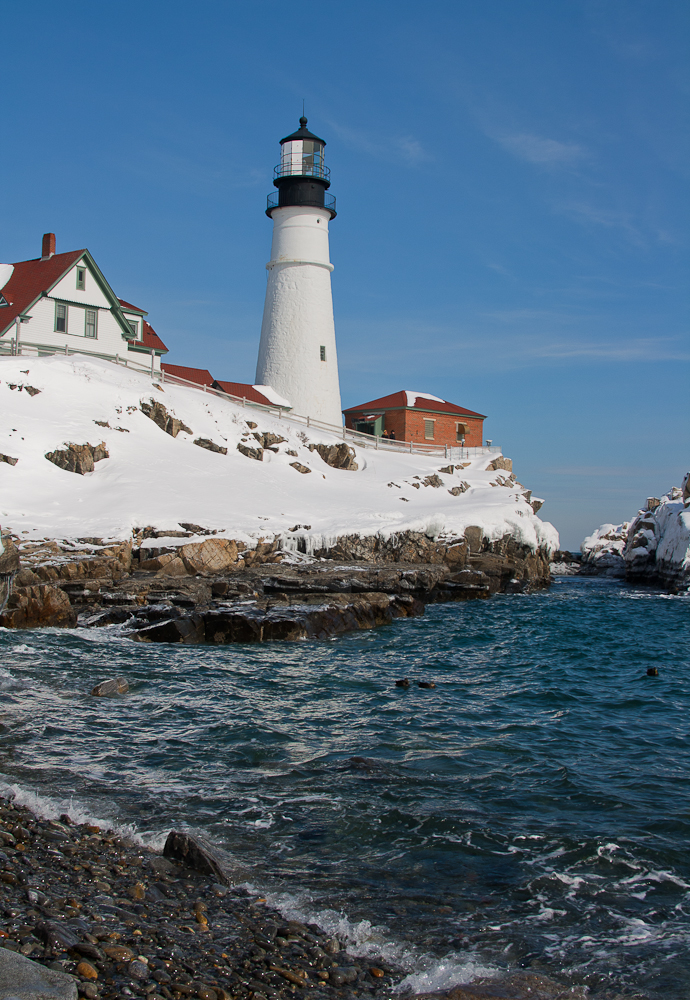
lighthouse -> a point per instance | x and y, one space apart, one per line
297 353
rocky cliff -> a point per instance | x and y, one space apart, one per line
653 548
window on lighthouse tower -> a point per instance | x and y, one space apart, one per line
322 352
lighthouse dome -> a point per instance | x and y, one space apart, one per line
301 155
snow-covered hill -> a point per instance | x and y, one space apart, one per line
151 478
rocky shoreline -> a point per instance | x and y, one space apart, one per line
88 913
163 588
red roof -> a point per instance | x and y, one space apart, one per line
201 376
244 391
398 400
131 308
150 340
29 279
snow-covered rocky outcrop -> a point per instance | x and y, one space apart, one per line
653 548
152 456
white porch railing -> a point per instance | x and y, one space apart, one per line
452 453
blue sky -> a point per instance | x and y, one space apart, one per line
511 179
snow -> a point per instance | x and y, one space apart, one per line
661 535
153 479
6 272
272 396
412 396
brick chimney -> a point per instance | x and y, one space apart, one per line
48 247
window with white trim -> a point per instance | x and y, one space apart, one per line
429 430
60 317
459 432
134 327
81 278
91 323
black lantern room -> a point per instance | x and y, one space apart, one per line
301 177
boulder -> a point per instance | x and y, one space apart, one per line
195 853
22 979
79 458
433 480
8 459
212 556
157 412
210 445
500 463
256 453
456 491
300 468
116 685
338 456
41 605
475 537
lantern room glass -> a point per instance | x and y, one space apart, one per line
302 157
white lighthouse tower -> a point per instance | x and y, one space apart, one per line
297 355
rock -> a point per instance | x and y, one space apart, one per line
157 412
475 537
338 456
255 453
22 979
269 440
119 953
117 685
376 972
188 629
79 458
42 605
536 504
500 463
343 975
456 491
8 459
86 971
195 853
210 446
300 468
57 934
212 556
138 970
433 480
9 557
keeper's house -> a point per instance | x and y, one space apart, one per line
62 302
418 417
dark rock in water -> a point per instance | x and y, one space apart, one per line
343 975
515 986
404 683
652 672
426 684
22 979
192 851
188 628
116 685
367 764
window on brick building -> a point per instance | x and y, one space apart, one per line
460 432
429 430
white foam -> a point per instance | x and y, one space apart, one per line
47 807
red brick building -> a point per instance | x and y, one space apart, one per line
419 417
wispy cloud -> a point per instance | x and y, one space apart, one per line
537 149
607 217
404 147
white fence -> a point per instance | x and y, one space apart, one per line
452 453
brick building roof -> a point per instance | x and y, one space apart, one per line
243 390
201 376
408 400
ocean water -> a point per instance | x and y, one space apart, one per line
533 810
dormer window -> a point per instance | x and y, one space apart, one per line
81 278
3 301
134 327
